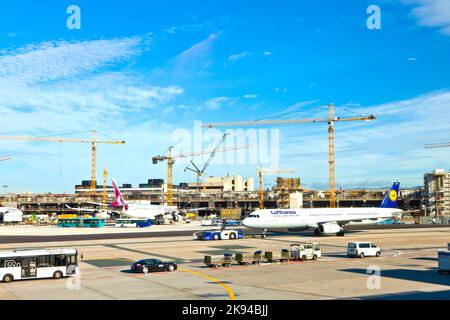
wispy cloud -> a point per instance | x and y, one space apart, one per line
432 13
219 102
51 61
239 56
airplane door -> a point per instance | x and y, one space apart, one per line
29 267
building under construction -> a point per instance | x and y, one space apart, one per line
287 193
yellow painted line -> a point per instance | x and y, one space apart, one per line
227 288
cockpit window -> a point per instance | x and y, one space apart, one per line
253 216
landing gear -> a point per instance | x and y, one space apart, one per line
340 233
263 236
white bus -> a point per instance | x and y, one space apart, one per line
37 264
133 223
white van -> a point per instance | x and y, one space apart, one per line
363 249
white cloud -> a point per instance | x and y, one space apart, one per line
412 59
51 61
219 102
267 53
432 13
251 96
239 56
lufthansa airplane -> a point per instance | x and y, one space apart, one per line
325 221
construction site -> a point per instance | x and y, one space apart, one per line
216 194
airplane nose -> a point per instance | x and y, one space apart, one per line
246 222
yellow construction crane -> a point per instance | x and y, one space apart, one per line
264 172
104 194
171 161
330 120
92 141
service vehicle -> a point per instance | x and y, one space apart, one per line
133 223
244 259
305 251
363 249
277 257
10 216
81 223
220 235
153 265
444 261
38 264
214 262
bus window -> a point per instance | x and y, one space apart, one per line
43 262
58 261
9 263
71 260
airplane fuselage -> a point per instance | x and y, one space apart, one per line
312 218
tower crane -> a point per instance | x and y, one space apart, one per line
171 161
104 193
201 172
92 141
330 120
438 145
264 172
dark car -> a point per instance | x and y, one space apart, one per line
153 265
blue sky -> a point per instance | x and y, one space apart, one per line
141 70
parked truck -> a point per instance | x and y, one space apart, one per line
10 215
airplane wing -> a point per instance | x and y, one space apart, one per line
82 210
193 210
90 210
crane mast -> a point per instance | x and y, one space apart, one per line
171 161
331 119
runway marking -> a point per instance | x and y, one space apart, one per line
226 287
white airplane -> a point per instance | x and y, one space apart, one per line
325 221
143 209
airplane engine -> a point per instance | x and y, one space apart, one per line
330 228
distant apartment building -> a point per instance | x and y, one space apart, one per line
437 192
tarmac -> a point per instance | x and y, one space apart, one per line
408 267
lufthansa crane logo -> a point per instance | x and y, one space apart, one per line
393 195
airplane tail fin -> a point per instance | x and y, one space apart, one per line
390 201
119 201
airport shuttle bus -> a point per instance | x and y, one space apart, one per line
133 223
37 264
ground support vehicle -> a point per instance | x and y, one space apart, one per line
216 261
305 251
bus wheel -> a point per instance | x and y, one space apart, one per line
8 278
57 275
233 236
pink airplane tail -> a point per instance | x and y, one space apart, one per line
119 201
